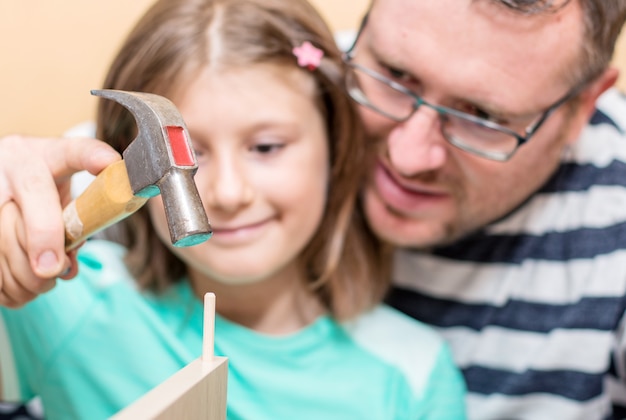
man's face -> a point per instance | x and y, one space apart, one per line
482 59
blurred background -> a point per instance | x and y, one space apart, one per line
53 52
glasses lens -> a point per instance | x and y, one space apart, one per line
373 91
367 90
479 139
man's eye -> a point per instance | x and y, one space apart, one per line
401 77
480 113
397 74
266 148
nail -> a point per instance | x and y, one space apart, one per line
66 271
47 261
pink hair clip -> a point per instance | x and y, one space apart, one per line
308 55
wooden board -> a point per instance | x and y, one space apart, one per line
196 392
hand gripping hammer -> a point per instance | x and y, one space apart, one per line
158 160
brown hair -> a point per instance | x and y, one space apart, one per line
176 38
604 20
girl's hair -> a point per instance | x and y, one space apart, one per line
173 41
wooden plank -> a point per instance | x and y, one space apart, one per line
196 392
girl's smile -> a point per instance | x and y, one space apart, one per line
262 174
241 233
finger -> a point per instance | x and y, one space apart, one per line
13 251
42 232
6 302
37 176
58 158
65 157
18 284
12 291
29 182
10 300
72 265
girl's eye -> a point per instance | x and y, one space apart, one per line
200 152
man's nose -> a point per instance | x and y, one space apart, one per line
229 187
417 144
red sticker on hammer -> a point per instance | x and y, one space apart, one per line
180 146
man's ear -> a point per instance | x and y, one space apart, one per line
601 84
586 103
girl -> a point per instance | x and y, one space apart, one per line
296 274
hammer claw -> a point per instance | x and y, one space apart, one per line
159 160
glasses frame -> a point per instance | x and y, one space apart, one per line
442 111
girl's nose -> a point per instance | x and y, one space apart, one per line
229 187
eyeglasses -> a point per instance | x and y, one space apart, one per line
473 134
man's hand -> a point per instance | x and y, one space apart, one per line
35 178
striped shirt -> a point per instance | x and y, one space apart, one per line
533 305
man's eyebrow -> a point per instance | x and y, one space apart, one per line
499 112
492 109
520 115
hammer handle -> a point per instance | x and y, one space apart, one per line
107 200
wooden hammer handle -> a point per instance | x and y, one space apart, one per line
107 200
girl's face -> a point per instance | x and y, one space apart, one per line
263 171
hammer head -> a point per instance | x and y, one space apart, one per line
160 160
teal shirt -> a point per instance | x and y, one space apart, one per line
95 344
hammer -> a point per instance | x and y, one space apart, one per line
159 160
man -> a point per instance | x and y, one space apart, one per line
513 223
510 208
